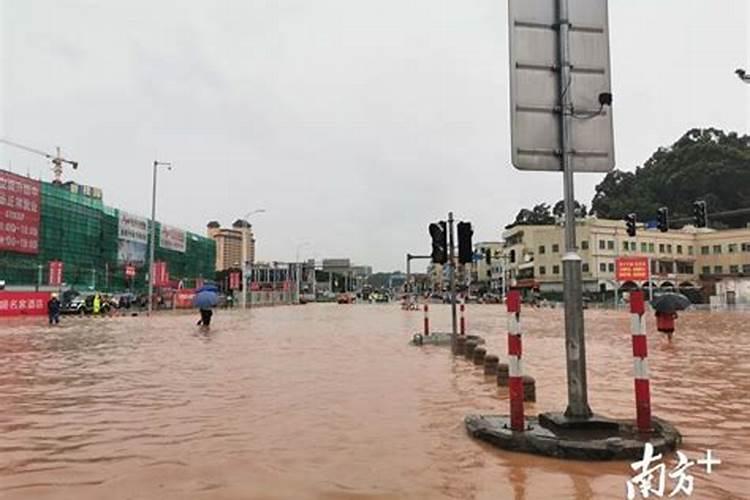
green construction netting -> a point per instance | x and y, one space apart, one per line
82 232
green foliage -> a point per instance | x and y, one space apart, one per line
544 215
704 164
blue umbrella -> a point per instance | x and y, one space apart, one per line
206 299
208 287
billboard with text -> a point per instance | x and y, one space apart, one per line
20 208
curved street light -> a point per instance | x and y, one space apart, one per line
153 235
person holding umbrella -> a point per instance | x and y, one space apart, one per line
205 300
666 307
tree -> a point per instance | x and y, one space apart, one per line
559 209
539 215
703 164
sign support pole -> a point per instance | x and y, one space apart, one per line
452 259
575 347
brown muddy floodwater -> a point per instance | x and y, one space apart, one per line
328 401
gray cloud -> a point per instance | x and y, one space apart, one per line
353 123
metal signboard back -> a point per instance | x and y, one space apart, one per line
535 88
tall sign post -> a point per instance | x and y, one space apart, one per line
561 121
452 264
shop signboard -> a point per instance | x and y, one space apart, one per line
172 238
20 208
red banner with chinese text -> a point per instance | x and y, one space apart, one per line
55 273
234 280
23 303
20 208
161 276
631 268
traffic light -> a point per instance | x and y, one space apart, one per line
630 224
465 248
439 236
488 256
700 216
662 219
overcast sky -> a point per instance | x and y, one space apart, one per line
354 123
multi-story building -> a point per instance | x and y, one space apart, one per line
687 258
229 243
487 276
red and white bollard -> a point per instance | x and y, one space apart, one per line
463 320
640 361
515 367
426 321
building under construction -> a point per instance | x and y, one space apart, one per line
100 247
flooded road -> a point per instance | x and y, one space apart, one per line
328 402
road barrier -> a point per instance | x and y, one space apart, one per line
479 354
515 367
426 320
490 364
463 320
640 361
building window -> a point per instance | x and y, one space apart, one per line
669 248
626 245
541 249
704 250
644 247
610 245
690 250
585 267
602 244
705 270
555 269
718 269
717 248
732 248
603 267
661 247
542 270
556 248
679 249
746 247
745 268
734 269
611 267
585 245
651 247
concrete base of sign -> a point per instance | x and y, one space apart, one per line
598 438
440 338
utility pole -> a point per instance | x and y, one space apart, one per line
153 236
575 347
452 263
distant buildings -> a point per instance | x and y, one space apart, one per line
682 259
229 243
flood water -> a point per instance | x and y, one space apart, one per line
328 401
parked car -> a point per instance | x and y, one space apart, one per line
124 300
345 298
83 303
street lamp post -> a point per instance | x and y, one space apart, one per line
244 254
152 244
297 268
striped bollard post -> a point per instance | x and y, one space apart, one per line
640 361
426 321
463 321
515 368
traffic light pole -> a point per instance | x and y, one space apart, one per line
452 263
575 347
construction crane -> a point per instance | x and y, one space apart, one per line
57 159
